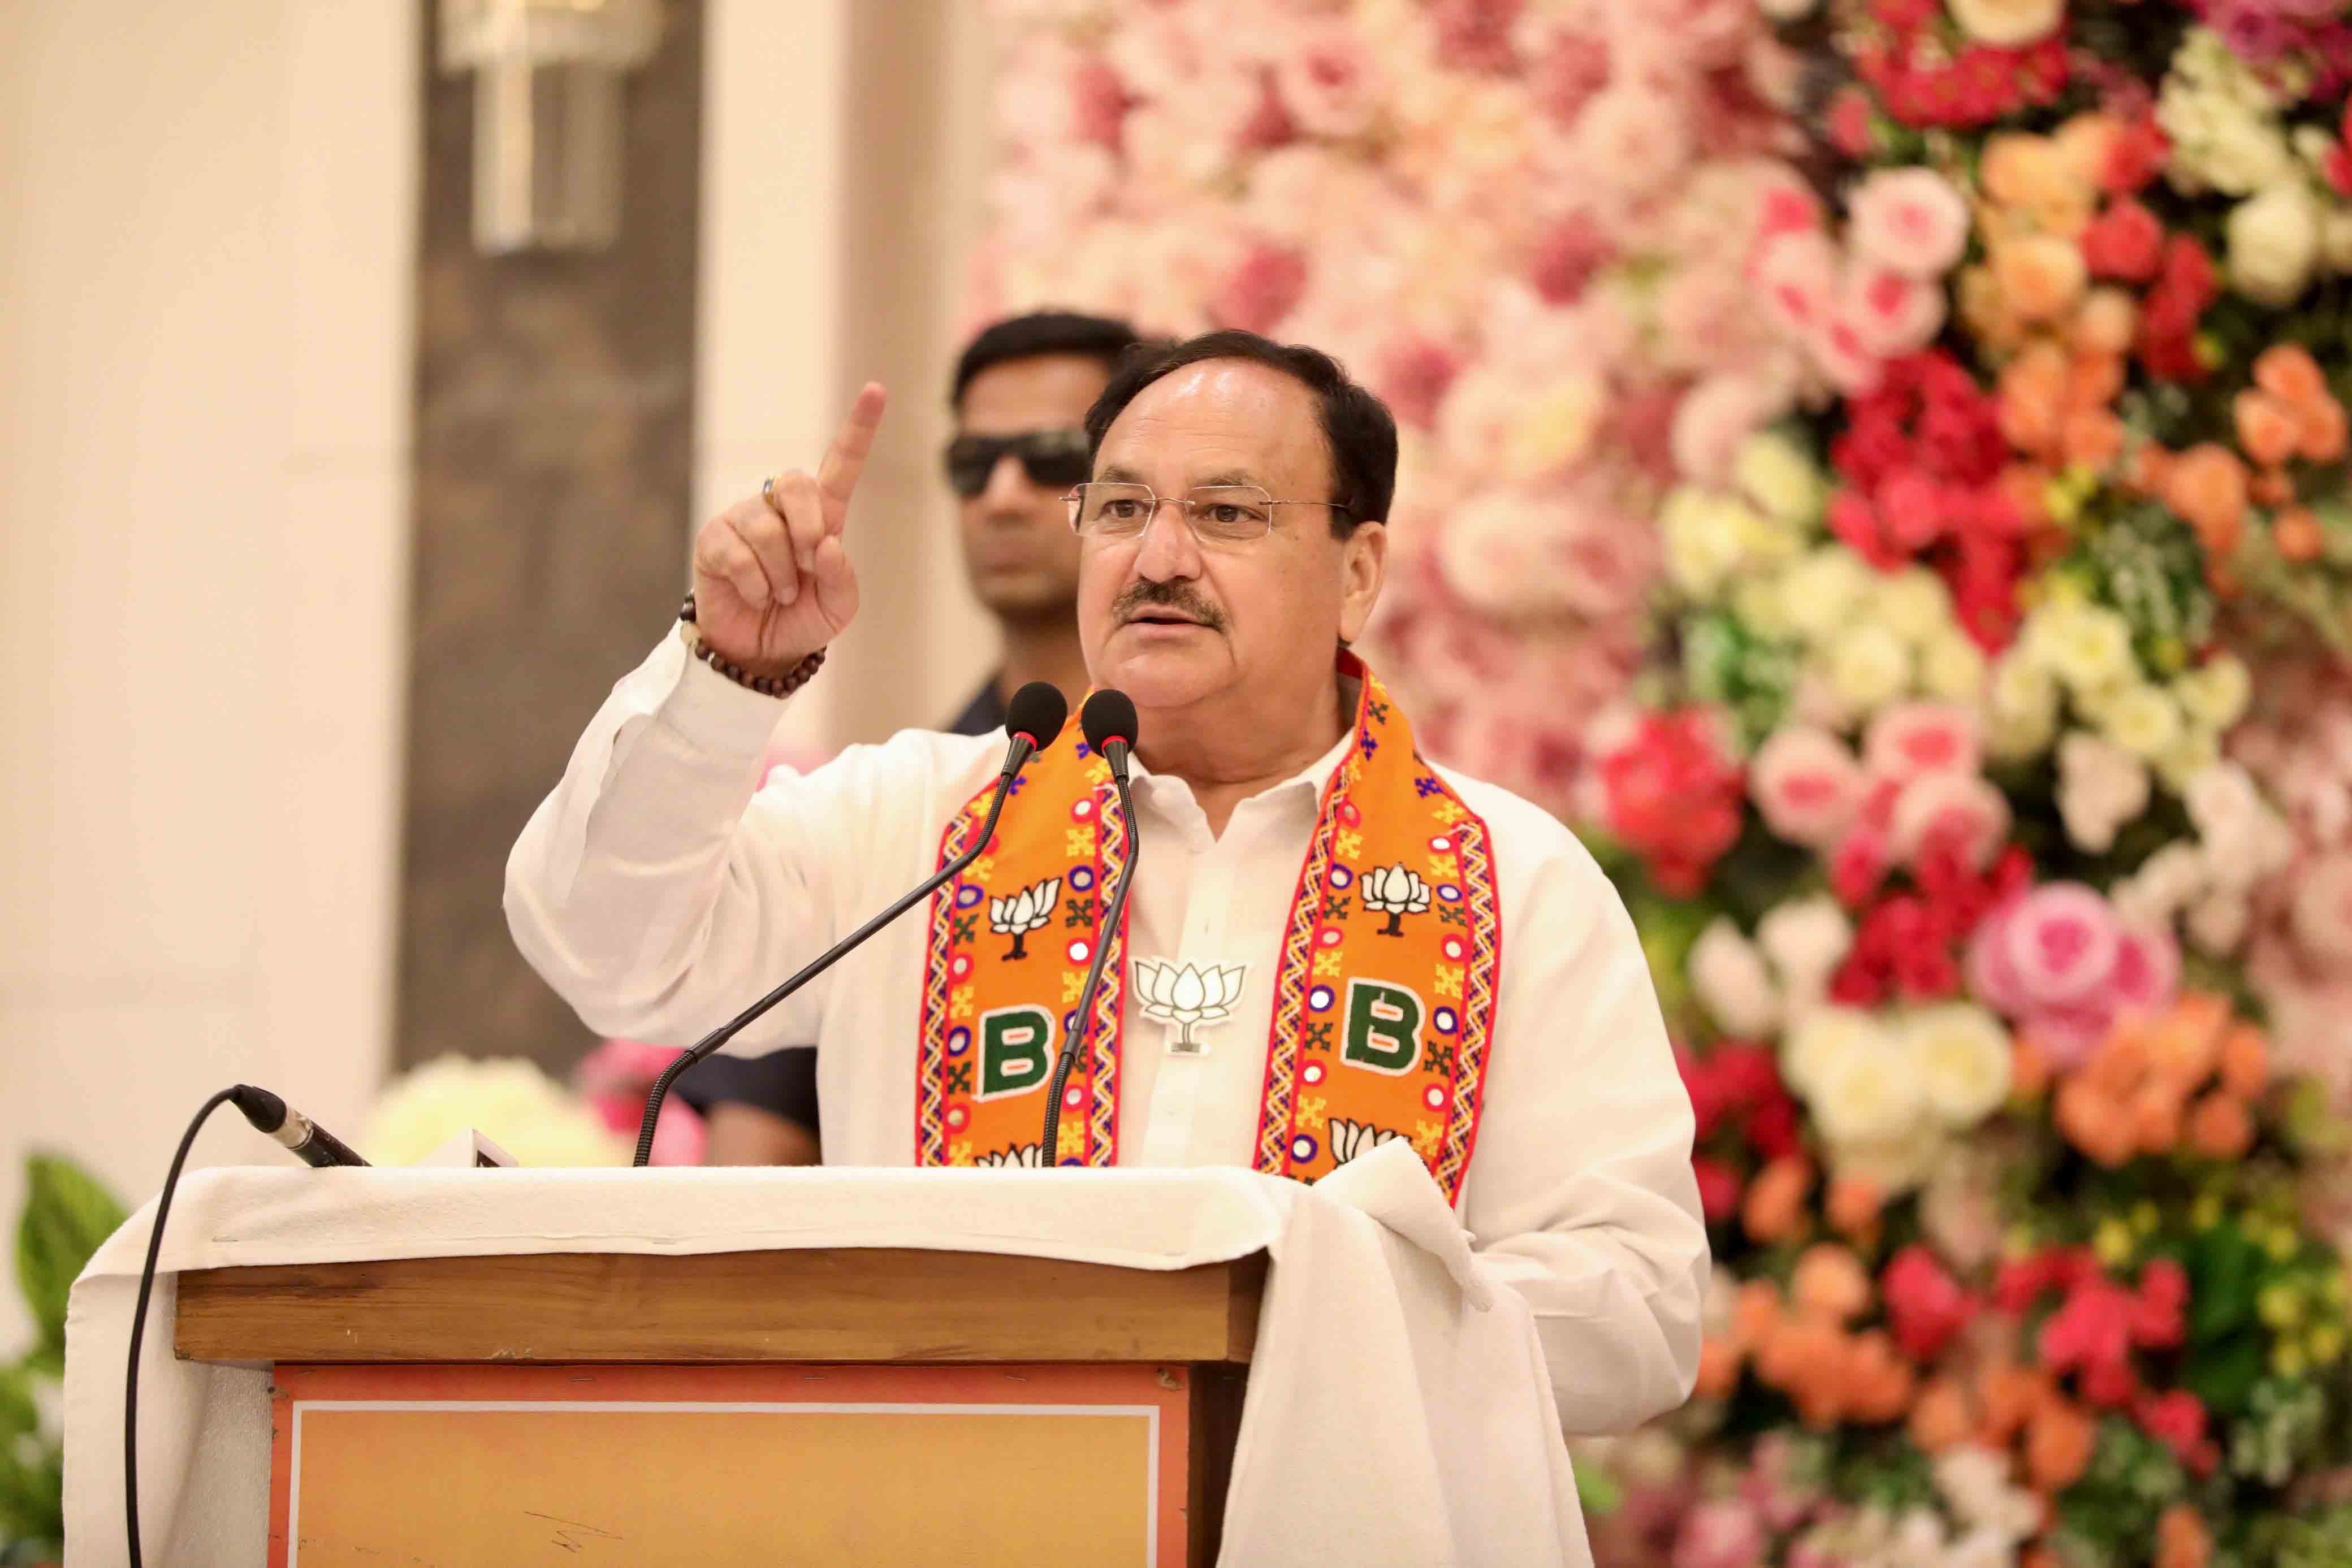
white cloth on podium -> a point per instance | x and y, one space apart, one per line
1398 1411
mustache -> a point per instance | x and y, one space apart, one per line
1172 595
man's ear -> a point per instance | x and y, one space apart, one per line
1363 568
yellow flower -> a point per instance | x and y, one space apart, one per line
2214 696
2190 754
510 1100
1868 667
1913 604
2142 721
1964 1060
2021 701
1554 431
2113 1242
1821 591
1703 540
1952 668
1778 479
2287 1360
1756 600
2087 646
2326 1344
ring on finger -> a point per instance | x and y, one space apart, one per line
768 493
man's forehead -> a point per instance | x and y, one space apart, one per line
1041 392
1223 421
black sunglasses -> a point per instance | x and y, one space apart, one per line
1053 459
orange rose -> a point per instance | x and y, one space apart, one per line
2011 1394
2181 1539
2268 427
2184 1044
1854 1205
1720 1362
2288 373
2220 1128
1939 1418
2295 533
2040 275
2032 397
2085 143
2206 486
1830 1280
2156 1116
2323 432
1879 1383
1775 1207
2270 487
2058 1443
2096 1123
2246 1060
2091 438
1757 1313
2029 1067
2016 167
2105 322
2093 380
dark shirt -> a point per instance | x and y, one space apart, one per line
784 1080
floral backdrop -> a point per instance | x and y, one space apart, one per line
1877 467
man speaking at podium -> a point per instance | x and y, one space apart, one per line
1330 945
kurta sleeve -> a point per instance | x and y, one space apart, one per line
653 892
1580 1193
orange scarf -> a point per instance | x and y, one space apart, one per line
1384 984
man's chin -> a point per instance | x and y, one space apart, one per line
1168 677
1023 594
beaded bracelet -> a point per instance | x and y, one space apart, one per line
782 686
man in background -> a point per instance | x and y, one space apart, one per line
1020 395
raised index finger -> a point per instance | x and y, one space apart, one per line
844 460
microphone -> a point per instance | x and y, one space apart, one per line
1108 720
1033 719
312 1143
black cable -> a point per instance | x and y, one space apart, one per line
1073 1039
139 1326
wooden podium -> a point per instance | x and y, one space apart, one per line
839 1407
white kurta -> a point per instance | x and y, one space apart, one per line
660 895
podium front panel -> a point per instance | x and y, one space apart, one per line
654 1465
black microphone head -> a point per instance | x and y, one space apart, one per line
1108 715
1038 710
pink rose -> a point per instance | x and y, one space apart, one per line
2060 941
1909 221
1723 1533
1797 269
1330 83
1843 354
2323 911
1807 784
1912 738
1632 139
2148 970
1257 293
1891 314
1962 809
1714 418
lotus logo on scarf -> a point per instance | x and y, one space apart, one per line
1187 996
1031 909
1031 1156
1393 891
1349 1139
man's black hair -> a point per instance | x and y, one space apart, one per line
1039 334
1357 427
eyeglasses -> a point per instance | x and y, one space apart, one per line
1217 513
1053 459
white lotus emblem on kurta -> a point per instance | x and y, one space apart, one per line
1187 996
1019 913
1395 892
1031 1155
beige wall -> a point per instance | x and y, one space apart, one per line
206 270
838 200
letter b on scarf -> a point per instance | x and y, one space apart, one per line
1016 1048
1383 1027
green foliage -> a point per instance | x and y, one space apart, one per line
2114 1507
66 1215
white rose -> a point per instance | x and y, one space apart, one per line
1868 668
2243 152
2141 719
2244 840
2100 788
2087 646
2275 243
1806 939
2162 886
1894 1166
1914 603
2006 23
2216 923
1822 1040
2322 913
2020 708
1975 1480
2214 694
2336 237
1822 590
1952 668
1963 1060
1872 1094
1732 983
1778 479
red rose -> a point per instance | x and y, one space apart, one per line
2134 157
1773 1127
1850 130
2125 242
2176 1419
1925 1305
1858 865
1718 1188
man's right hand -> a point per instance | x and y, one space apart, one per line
771 581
